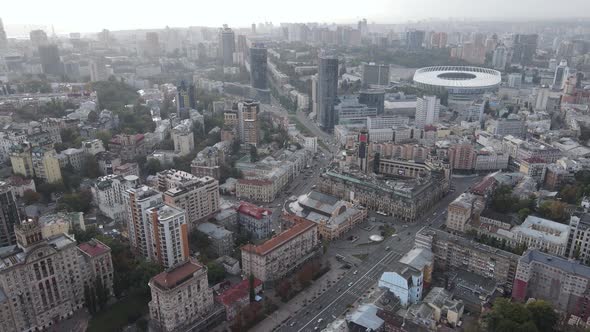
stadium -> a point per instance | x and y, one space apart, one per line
463 83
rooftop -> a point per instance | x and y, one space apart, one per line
253 210
237 292
543 229
562 264
366 316
215 231
176 275
274 243
94 248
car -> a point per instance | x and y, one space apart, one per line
355 272
320 320
387 248
292 324
350 284
316 328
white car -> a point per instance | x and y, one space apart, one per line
320 320
349 284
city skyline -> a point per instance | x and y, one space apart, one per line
18 19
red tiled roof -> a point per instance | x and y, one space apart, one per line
237 292
16 180
94 248
483 185
171 278
253 210
302 226
535 160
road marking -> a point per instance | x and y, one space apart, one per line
338 298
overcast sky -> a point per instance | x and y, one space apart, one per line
89 16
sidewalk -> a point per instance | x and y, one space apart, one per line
286 310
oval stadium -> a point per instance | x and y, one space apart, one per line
461 82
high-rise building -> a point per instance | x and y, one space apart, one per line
38 38
168 233
363 150
186 99
327 92
248 121
258 60
183 138
152 44
3 38
50 60
227 45
373 99
524 49
561 74
375 75
500 57
181 297
8 215
427 111
414 39
199 197
98 69
46 164
137 201
21 160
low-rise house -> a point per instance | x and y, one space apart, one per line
236 297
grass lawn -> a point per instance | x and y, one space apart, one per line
116 316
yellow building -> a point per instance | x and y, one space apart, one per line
46 164
21 160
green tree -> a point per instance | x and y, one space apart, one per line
91 168
543 315
523 213
76 202
152 167
105 136
215 273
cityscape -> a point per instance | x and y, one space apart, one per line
407 171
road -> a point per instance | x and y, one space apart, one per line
359 280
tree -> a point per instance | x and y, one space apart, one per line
76 202
215 273
554 210
91 169
152 167
105 136
523 213
253 154
252 288
93 116
543 315
31 197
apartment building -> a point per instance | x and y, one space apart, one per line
199 197
46 164
578 246
181 296
221 239
543 234
128 147
563 283
108 191
283 253
463 210
168 234
254 220
42 279
453 252
21 160
137 201
248 122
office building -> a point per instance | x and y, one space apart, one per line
50 60
168 233
563 283
181 297
199 197
414 39
427 111
373 99
504 127
137 201
227 43
248 122
524 48
38 38
258 60
561 75
282 254
9 215
375 76
543 234
500 57
42 280
327 92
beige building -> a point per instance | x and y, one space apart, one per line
42 279
281 254
21 161
462 211
256 190
180 296
61 223
46 164
184 140
248 121
543 234
168 233
199 197
137 201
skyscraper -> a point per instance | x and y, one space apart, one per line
561 74
3 38
168 231
248 121
227 45
414 39
525 48
186 99
258 66
8 215
427 111
500 57
373 99
152 44
38 38
374 74
327 92
50 61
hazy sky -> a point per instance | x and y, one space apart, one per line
88 16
